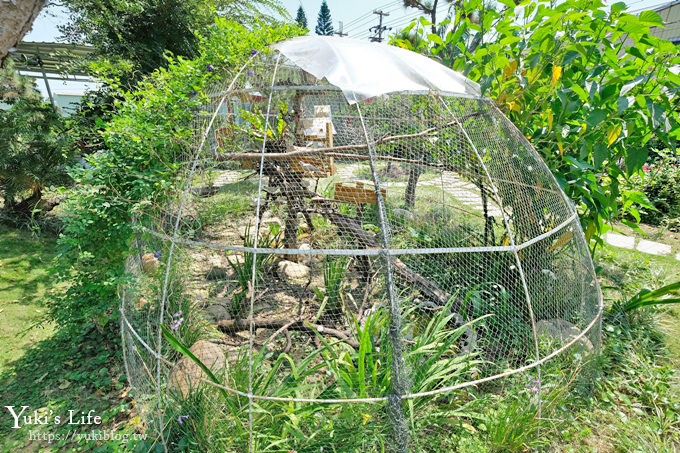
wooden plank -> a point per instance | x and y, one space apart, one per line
357 192
322 166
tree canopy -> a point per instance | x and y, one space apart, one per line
589 85
144 32
324 23
301 17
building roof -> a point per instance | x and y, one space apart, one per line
666 5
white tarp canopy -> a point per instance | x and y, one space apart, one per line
364 70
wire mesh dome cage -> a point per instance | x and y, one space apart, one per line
359 238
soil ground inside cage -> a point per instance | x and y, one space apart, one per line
212 280
212 284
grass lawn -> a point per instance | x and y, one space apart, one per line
24 260
633 403
48 370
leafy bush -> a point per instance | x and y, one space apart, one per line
146 144
661 183
588 85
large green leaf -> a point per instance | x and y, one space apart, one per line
651 18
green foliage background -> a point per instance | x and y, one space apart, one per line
145 143
32 145
588 84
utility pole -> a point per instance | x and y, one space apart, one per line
339 32
379 29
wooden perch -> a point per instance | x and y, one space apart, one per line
304 151
351 228
357 192
231 326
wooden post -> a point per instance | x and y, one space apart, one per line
329 144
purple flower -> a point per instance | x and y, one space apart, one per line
176 322
250 73
192 93
157 254
174 325
209 67
180 418
253 53
533 385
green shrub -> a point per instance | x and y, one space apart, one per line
661 184
147 146
587 83
33 154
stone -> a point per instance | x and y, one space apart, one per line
653 248
305 258
293 273
402 214
216 312
619 240
217 273
149 263
217 267
186 375
563 331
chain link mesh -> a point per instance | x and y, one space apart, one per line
324 271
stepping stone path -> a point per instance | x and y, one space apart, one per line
653 248
467 193
228 177
642 245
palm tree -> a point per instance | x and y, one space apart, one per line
33 154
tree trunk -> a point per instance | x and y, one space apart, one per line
16 19
25 207
413 175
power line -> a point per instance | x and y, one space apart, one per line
368 16
400 22
649 7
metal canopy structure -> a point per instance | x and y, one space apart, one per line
52 57
54 61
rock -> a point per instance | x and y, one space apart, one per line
149 263
216 273
303 258
293 273
402 214
563 331
186 375
217 267
217 312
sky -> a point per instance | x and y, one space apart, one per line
356 15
